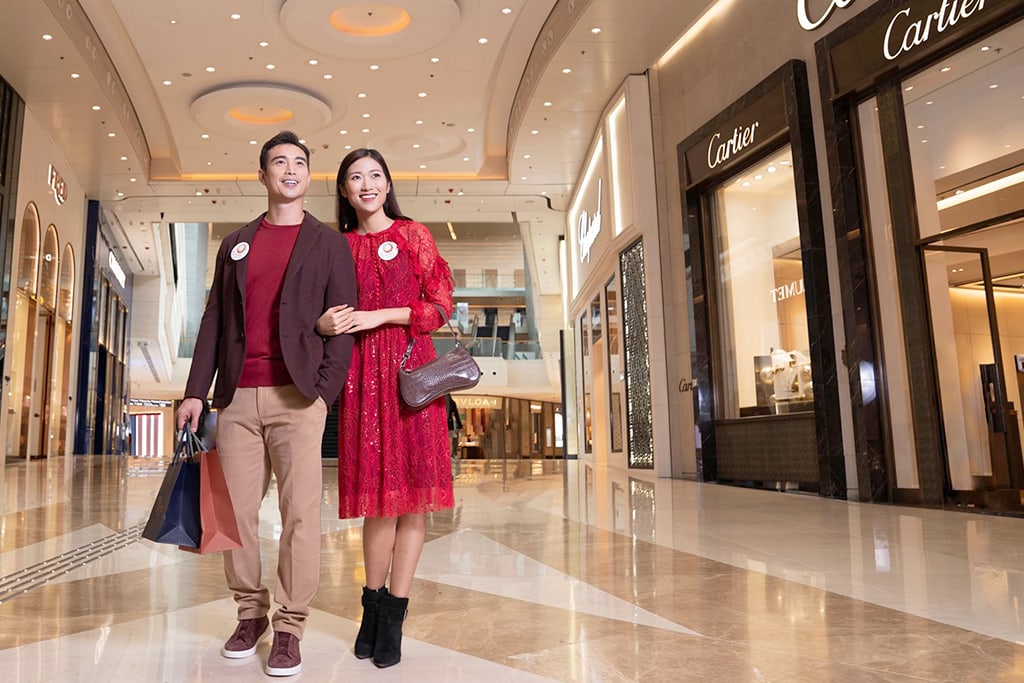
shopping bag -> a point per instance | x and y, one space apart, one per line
175 517
219 524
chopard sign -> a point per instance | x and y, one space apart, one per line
589 227
905 33
804 16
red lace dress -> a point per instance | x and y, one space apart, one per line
393 460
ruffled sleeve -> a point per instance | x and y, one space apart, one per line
436 283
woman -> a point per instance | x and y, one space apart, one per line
393 462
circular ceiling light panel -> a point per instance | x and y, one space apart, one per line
369 30
240 111
419 147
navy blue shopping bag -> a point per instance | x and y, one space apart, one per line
175 516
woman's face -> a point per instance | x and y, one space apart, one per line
365 186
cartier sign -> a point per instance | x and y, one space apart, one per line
589 228
809 21
907 30
57 186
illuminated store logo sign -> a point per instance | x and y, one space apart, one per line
116 268
804 16
589 227
742 137
57 186
789 291
904 34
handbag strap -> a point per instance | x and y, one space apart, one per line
188 446
408 349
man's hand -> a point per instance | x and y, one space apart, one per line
335 320
190 411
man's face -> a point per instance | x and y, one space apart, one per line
287 174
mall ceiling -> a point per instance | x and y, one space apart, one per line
484 109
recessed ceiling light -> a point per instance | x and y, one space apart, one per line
253 142
74 75
205 136
95 107
471 130
374 67
270 67
124 158
759 177
920 127
302 140
746 183
120 194
547 104
506 10
772 169
264 43
419 122
210 69
465 158
526 156
522 177
435 60
236 16
366 130
567 70
209 163
313 62
909 88
328 77
366 116
923 141
945 69
47 36
534 132
595 30
460 192
174 21
421 94
198 193
361 96
416 145
167 82
343 132
111 135
131 180
985 48
994 86
348 146
482 41
423 165
929 102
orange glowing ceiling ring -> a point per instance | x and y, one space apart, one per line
370 20
260 116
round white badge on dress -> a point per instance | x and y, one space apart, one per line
240 251
387 251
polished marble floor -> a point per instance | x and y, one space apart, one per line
543 572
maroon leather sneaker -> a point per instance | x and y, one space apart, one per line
246 637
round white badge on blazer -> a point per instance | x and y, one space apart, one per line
387 251
240 251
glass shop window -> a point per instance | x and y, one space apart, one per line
764 366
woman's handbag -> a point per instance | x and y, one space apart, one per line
447 373
175 516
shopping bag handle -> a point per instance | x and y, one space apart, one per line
189 446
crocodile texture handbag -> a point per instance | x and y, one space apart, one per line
449 372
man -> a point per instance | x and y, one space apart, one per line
275 380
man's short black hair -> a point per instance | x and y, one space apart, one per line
285 137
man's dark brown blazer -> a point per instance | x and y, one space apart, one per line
320 274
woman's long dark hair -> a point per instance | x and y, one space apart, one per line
347 219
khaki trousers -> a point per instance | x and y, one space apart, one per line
275 430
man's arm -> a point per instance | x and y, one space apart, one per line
341 290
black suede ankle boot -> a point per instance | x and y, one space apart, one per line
367 635
391 613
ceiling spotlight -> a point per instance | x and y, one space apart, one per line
522 177
435 60
366 130
95 107
131 180
342 132
534 132
526 156
366 116
547 104
328 77
374 67
253 142
994 86
482 41
945 69
264 43
595 30
47 36
421 94
416 145
111 135
74 75
210 69
567 70
120 194
167 82
419 122
270 67
506 10
124 158
361 96
313 62
471 130
423 165
205 136
465 158
236 16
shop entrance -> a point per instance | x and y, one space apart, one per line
975 281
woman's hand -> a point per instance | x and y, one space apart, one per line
346 320
335 320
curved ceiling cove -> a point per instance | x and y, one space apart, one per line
241 110
369 30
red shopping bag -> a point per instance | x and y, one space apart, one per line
219 524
